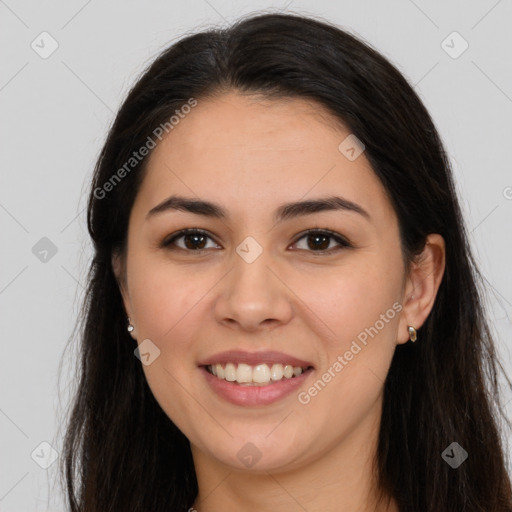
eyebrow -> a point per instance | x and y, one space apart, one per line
284 212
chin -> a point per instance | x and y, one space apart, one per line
261 453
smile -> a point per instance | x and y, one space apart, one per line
257 375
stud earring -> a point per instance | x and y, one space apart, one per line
412 333
130 326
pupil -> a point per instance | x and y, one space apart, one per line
319 237
195 237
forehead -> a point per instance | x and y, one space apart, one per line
255 152
252 123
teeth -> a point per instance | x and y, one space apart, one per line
244 373
276 372
260 374
297 370
288 371
229 372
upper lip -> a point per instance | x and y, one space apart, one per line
254 358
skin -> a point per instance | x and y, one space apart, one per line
251 155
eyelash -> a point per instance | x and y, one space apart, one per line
344 243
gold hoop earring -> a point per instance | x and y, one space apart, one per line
412 333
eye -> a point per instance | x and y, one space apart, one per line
194 240
320 241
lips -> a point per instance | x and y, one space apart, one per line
255 358
254 395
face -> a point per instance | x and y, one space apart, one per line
253 280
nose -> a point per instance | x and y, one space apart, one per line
254 296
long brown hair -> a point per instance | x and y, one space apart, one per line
122 453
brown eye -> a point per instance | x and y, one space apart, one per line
193 240
321 241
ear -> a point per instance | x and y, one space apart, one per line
119 269
422 285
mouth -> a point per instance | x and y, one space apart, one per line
262 374
248 392
254 378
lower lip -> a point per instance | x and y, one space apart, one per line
254 395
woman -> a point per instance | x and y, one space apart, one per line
276 226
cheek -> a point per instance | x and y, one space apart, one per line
351 301
166 297
356 317
168 303
359 311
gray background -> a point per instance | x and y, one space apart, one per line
55 112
